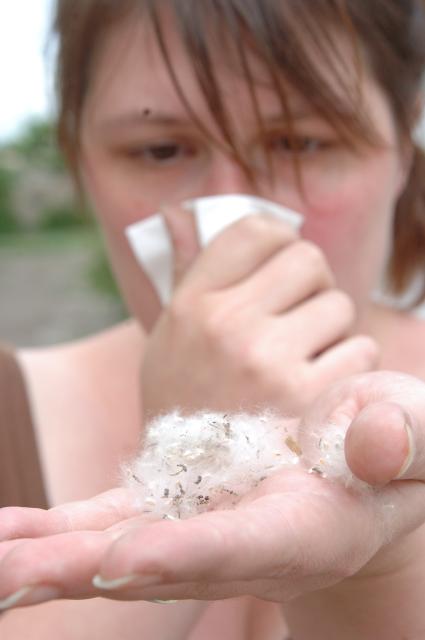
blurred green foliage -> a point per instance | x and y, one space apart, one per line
65 216
8 220
37 143
35 147
101 276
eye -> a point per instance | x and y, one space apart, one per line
161 153
297 144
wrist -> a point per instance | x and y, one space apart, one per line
382 602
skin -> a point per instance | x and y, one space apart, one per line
321 316
126 183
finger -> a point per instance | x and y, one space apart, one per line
7 547
319 322
97 513
53 564
277 535
160 555
58 566
288 278
356 354
381 445
202 589
383 414
311 536
181 227
238 251
63 565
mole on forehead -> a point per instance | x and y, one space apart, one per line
141 116
161 118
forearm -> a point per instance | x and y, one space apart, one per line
101 618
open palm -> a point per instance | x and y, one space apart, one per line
294 533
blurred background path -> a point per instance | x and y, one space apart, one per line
47 293
55 283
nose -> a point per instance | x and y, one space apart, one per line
224 175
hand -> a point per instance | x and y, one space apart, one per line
255 321
295 533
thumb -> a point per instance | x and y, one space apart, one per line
384 443
379 421
181 226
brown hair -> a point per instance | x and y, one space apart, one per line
290 37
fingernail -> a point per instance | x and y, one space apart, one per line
29 595
118 583
410 455
188 205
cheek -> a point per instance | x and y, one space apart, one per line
337 218
349 211
115 201
115 208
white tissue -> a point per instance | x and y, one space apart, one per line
152 247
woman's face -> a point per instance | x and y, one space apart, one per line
140 150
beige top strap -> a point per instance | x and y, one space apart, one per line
21 479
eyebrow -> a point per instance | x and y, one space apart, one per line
150 116
143 117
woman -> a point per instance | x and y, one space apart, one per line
312 105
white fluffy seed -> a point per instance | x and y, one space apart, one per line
196 463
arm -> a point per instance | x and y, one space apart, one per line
296 534
70 619
255 321
100 618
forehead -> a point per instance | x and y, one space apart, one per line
129 75
129 69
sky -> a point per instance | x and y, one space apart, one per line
23 65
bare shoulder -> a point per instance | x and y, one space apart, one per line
62 372
89 349
84 398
